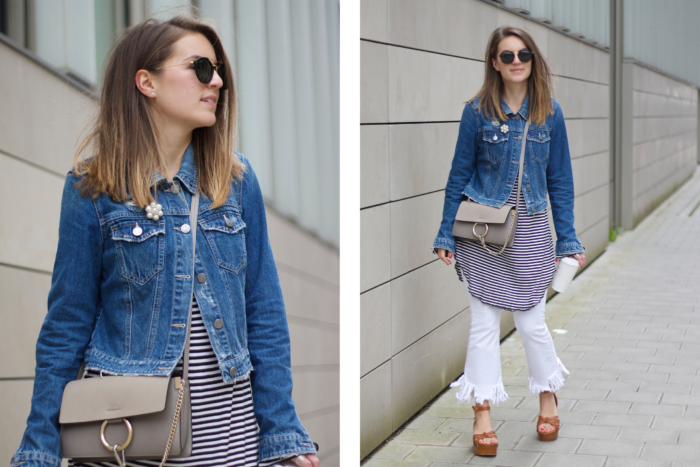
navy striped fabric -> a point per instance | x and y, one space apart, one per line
516 279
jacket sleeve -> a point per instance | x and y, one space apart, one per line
67 327
560 186
463 168
281 432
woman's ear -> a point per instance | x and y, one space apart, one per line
145 83
493 62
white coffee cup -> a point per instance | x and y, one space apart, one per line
565 274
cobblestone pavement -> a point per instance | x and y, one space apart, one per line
632 344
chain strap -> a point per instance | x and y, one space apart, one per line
176 418
510 230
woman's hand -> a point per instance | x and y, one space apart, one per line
444 255
580 257
303 460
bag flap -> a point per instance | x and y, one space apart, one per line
475 212
96 399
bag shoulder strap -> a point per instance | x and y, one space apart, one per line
194 211
520 165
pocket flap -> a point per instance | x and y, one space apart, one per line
125 231
538 136
479 213
489 136
96 399
227 223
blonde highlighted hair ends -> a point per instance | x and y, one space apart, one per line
122 147
539 83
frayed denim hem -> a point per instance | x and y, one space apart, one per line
494 394
554 382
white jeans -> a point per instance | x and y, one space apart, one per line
482 370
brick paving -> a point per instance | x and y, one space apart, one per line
632 344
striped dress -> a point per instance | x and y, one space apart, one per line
224 429
517 279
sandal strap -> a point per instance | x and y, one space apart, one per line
479 409
554 421
488 434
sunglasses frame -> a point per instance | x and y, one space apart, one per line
513 56
215 66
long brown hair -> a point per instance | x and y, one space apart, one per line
123 144
539 85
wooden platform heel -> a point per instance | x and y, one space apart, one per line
554 421
485 450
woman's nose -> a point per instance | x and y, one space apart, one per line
216 81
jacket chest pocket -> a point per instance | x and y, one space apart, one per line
140 248
226 238
538 143
494 145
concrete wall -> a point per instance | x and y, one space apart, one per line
419 61
664 137
41 118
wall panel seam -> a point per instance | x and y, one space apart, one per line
402 199
24 268
33 165
673 135
400 275
657 161
583 231
590 154
591 190
430 332
670 96
659 182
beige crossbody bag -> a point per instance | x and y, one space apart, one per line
487 225
150 415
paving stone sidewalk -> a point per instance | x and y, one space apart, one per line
632 344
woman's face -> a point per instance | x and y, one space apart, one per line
516 72
180 98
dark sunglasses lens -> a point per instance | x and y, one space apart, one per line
204 70
525 56
507 57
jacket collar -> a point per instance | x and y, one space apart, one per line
187 173
523 108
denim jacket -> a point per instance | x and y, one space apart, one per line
485 167
119 300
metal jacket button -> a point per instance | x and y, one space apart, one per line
229 222
175 189
232 371
527 186
518 138
201 277
185 228
540 135
219 323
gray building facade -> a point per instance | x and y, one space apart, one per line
632 129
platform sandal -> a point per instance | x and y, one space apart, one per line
481 449
554 421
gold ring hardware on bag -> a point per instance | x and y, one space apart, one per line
128 436
476 234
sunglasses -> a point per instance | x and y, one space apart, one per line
204 69
507 56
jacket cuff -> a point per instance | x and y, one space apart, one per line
272 447
444 244
34 459
564 249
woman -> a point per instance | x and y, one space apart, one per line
516 89
123 281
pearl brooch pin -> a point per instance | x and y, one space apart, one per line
154 211
504 129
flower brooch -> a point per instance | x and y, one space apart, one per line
154 211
